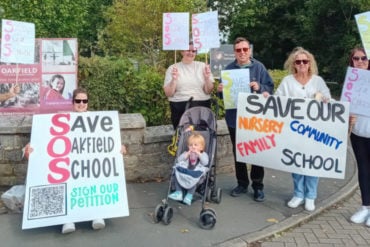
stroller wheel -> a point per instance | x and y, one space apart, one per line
167 216
158 213
217 198
207 219
210 210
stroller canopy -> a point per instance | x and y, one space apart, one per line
199 116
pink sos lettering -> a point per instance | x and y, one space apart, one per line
167 24
349 85
196 32
58 165
8 29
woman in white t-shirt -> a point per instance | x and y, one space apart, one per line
360 139
187 79
303 82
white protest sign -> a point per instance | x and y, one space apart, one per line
363 25
295 135
234 81
356 90
75 171
175 31
205 30
17 42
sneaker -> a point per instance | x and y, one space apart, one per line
367 223
259 196
309 204
188 198
238 190
98 224
360 216
68 228
295 202
177 196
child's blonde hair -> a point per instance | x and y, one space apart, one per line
197 137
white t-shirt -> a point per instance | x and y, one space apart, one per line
362 126
290 87
190 82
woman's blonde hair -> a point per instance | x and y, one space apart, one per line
197 137
289 63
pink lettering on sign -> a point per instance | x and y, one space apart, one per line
196 33
351 79
59 130
167 28
8 29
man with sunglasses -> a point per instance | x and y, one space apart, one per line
261 82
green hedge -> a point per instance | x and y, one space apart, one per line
115 84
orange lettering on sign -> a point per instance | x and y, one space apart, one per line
260 124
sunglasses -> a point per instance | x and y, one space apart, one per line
245 49
78 101
298 62
363 58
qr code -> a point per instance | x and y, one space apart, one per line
47 201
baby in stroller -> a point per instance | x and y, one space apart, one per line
190 168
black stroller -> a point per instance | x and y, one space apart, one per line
202 120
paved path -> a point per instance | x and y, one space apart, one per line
241 222
331 228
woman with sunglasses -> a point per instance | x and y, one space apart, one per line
80 102
187 79
303 81
360 139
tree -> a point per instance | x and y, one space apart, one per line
326 28
131 34
60 19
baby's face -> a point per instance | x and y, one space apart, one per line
195 146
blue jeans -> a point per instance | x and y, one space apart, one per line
305 186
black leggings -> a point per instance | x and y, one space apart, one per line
178 108
257 172
361 147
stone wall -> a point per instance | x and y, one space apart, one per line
147 158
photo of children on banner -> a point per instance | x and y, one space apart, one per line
19 97
190 168
7 92
54 88
59 52
57 87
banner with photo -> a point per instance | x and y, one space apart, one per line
76 171
45 86
296 135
